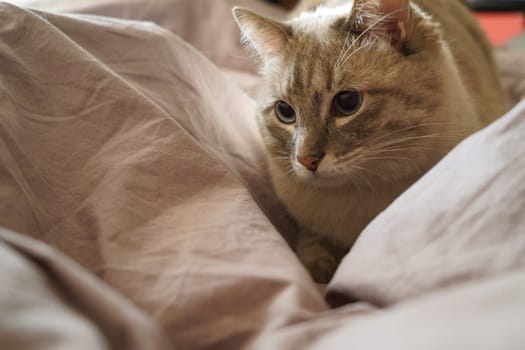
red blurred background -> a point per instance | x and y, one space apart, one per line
501 26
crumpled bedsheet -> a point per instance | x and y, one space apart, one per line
138 211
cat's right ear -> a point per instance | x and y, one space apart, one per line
267 37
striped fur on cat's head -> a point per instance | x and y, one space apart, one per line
352 91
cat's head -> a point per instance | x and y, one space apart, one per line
349 91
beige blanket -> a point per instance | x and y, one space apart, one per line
132 149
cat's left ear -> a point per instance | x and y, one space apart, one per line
266 36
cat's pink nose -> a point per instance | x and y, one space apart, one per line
310 163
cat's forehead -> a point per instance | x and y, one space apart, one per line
324 55
319 35
314 64
313 72
309 68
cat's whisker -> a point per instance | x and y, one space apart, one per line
390 152
289 171
375 157
414 148
402 144
357 39
354 52
370 171
279 158
395 132
407 145
372 26
420 125
372 188
372 153
399 160
403 148
380 156
353 181
435 136
343 48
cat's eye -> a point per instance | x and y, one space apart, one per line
285 112
347 102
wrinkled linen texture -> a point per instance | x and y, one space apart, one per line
139 212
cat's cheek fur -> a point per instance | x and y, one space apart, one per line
281 133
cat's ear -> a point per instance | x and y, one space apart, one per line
266 36
398 19
395 17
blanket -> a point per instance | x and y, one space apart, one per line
138 212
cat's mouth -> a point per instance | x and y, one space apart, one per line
323 176
317 180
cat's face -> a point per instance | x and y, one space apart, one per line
344 101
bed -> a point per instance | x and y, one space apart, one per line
137 213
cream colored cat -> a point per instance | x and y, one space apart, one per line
359 99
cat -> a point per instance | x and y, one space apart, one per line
358 100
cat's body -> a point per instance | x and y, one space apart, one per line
361 98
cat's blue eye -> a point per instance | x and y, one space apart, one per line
347 102
285 113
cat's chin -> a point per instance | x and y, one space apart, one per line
321 179
325 182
